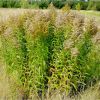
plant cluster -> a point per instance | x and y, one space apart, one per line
49 51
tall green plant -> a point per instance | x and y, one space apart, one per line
40 55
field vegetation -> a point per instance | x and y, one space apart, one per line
49 55
43 4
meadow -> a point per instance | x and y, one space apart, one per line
49 55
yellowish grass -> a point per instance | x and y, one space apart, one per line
4 85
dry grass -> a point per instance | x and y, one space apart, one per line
4 85
92 14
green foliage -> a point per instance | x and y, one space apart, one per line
78 7
84 5
24 3
58 3
98 5
42 56
93 5
43 4
89 5
34 6
9 3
